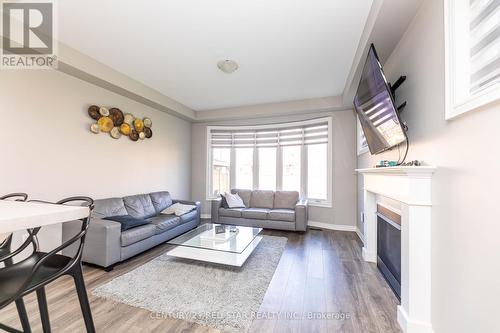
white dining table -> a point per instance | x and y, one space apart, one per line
17 215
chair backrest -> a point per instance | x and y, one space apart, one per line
80 237
16 196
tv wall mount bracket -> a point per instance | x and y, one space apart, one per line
394 87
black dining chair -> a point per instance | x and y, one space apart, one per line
42 268
5 249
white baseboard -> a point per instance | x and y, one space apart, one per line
360 235
329 226
410 326
368 256
206 216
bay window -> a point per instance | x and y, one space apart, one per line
244 167
267 168
289 156
317 171
291 168
221 162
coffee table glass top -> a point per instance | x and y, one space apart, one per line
205 237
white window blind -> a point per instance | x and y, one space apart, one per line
472 54
484 44
287 136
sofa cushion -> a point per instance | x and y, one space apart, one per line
262 199
127 222
230 212
244 194
108 207
255 213
282 215
160 200
285 199
139 206
189 216
135 235
165 222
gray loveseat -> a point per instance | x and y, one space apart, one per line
264 209
106 244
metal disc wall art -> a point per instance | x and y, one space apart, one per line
104 111
105 124
125 129
134 136
138 125
117 116
94 128
115 133
94 112
129 119
118 124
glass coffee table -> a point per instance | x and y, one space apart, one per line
231 247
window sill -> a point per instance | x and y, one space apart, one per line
489 96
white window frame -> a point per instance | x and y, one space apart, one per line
362 144
312 202
455 68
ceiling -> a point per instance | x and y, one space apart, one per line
286 49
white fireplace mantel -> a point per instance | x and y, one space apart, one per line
411 186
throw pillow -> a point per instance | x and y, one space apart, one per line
234 200
127 221
178 209
223 202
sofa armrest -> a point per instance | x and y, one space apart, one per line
301 215
192 203
187 202
102 241
216 204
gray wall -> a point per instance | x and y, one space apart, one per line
49 152
465 228
344 162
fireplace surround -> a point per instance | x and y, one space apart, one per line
411 187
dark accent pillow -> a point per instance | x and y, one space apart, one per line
127 221
224 202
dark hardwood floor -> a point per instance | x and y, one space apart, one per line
320 285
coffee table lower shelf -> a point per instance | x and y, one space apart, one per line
215 256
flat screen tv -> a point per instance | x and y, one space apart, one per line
374 104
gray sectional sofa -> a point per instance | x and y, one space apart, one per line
106 244
264 209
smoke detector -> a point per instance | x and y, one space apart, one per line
227 66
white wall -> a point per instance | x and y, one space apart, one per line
343 211
48 151
465 255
